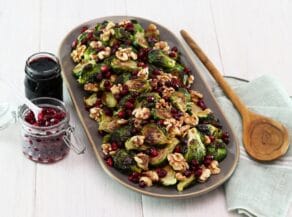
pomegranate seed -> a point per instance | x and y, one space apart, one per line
74 43
107 111
175 83
174 49
101 133
187 70
201 104
225 137
160 122
99 77
83 29
141 64
156 72
150 98
129 27
198 172
125 90
177 149
187 173
107 85
108 74
135 72
109 161
98 103
212 138
121 114
134 177
89 35
129 105
118 96
104 68
129 113
153 152
172 54
195 164
142 184
114 146
207 161
161 172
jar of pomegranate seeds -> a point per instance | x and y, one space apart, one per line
46 138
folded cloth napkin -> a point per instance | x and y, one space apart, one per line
259 189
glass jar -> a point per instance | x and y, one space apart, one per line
43 76
47 144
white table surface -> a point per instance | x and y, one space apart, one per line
244 38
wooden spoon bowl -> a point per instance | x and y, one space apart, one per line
264 139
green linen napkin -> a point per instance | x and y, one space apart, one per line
259 189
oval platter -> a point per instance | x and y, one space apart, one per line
227 166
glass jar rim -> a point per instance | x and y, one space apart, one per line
23 109
34 73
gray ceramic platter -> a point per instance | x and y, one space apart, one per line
227 166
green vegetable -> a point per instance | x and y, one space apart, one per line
77 71
123 66
193 109
107 123
185 183
161 113
109 100
154 135
162 153
122 34
139 36
124 100
121 134
170 178
88 74
125 162
209 130
208 118
138 85
158 58
90 101
130 145
123 78
195 148
180 99
219 152
88 52
106 138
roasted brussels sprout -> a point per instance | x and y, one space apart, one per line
218 151
138 85
195 148
209 130
123 66
88 73
125 162
170 178
109 100
185 183
154 135
158 58
90 101
180 99
139 36
107 124
121 134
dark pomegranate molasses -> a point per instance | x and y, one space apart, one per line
43 76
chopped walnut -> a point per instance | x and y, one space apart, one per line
191 79
195 96
94 113
93 87
162 104
107 149
104 53
165 77
78 53
152 175
206 173
116 89
180 177
142 160
207 140
124 54
146 180
107 32
161 45
113 78
214 167
141 113
152 31
122 121
171 122
167 92
124 22
191 120
177 162
184 129
137 141
95 44
137 123
143 73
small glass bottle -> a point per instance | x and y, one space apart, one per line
43 76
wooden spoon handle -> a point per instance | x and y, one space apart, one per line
241 107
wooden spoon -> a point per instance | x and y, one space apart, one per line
264 139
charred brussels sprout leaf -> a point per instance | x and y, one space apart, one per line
195 147
121 66
109 100
154 135
125 162
138 85
158 58
121 134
